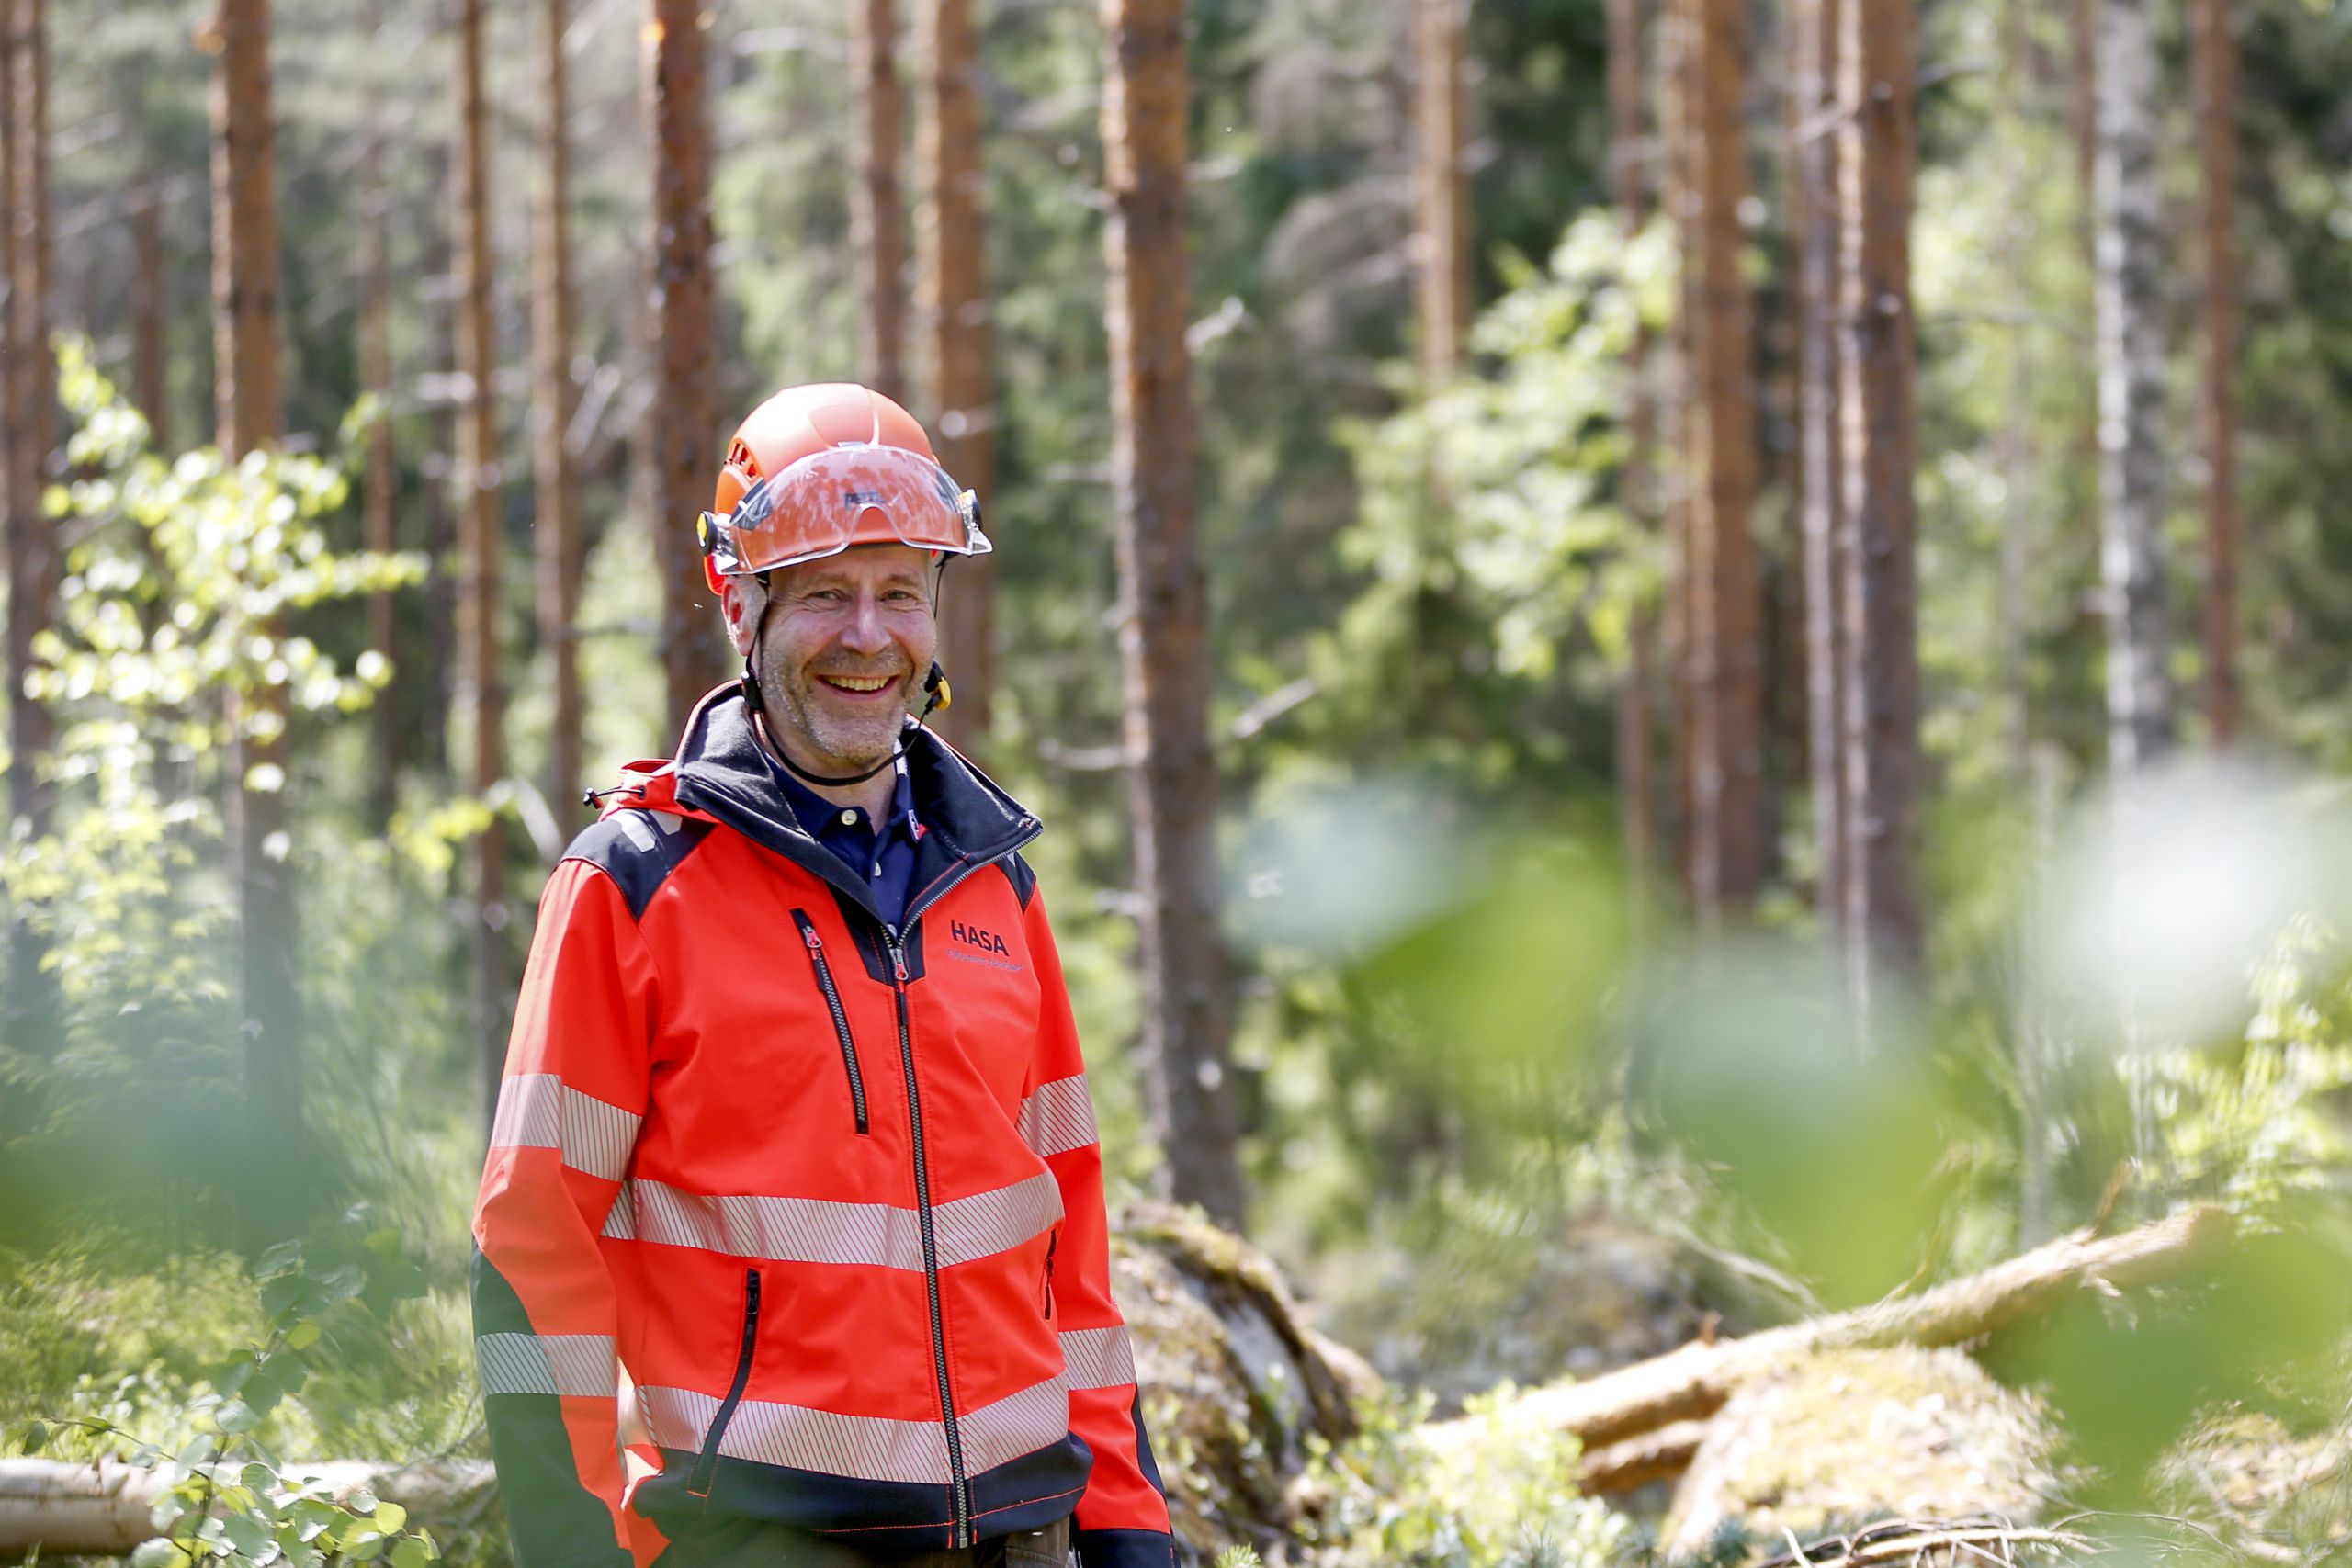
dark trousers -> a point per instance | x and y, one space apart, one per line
735 1542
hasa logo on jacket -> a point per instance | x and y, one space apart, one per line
986 942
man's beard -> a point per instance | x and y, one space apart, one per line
857 743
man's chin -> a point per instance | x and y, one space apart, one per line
856 753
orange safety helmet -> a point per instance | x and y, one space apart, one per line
816 470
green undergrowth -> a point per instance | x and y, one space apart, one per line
1506 1499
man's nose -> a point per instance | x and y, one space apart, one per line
865 633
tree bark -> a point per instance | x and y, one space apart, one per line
1679 201
1693 1383
436 691
1443 242
555 398
880 237
1878 152
1821 476
2082 100
377 524
151 313
477 483
1627 133
30 1014
1163 634
245 213
682 419
951 239
2216 63
246 409
1726 646
2131 263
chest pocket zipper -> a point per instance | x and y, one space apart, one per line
833 1005
698 1482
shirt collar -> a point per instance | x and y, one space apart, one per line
820 816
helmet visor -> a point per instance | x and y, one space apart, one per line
843 496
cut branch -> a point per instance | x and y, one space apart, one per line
1691 1382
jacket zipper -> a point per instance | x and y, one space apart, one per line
959 1483
698 1482
841 1017
1053 1240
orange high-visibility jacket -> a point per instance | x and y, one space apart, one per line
827 1188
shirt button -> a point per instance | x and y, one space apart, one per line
849 817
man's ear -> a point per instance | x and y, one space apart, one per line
741 600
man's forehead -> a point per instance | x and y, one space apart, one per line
861 563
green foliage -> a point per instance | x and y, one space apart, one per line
1494 529
2256 1124
226 1496
186 582
1506 1499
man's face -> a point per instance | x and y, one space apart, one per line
843 649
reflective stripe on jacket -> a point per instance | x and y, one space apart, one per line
829 1189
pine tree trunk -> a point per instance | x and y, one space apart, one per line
555 398
1675 45
951 235
2030 1037
1444 241
2215 51
150 312
1164 625
682 420
880 237
1726 607
2082 100
482 680
1814 34
1626 132
2020 169
2131 263
244 210
246 406
437 657
378 519
30 1014
1877 150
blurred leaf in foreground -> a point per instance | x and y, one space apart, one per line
2264 1330
1750 1058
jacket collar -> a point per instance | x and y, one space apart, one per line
968 821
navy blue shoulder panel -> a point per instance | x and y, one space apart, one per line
1024 881
639 850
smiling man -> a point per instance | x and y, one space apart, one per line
795 1127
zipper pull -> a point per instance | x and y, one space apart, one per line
897 955
816 944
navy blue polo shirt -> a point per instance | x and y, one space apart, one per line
883 855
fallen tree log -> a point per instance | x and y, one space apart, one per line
103 1510
1690 1383
1660 1455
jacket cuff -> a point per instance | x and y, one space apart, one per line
1124 1548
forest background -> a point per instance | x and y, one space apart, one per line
1725 618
